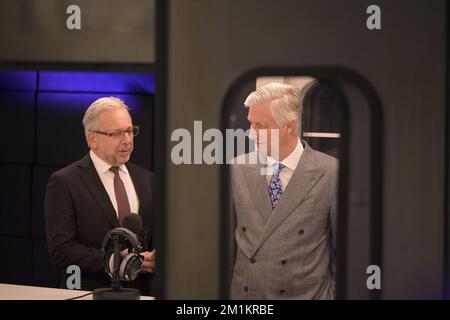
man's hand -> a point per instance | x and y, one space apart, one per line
149 261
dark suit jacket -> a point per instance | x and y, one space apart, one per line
79 213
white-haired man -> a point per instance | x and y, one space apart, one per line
285 206
86 199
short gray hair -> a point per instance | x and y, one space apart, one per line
90 119
285 101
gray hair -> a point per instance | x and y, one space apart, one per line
285 102
90 119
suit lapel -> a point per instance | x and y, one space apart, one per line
92 181
144 195
301 183
257 185
138 187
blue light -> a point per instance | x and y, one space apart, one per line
18 80
74 103
89 81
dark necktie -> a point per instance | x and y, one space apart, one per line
123 206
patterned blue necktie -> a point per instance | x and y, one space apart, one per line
275 189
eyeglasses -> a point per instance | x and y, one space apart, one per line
120 133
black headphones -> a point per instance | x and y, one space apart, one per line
131 263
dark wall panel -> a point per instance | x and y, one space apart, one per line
40 179
44 273
17 114
60 134
16 262
15 200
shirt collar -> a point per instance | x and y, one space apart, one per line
291 160
102 166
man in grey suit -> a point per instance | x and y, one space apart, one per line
285 205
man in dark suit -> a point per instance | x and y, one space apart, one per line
91 196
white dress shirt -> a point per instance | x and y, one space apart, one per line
107 178
290 163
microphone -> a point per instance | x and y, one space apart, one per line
133 222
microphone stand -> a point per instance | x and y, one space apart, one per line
116 292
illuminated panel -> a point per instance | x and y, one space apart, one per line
18 80
87 81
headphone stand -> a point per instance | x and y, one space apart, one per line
116 292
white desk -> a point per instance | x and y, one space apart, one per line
16 292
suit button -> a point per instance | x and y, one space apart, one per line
245 289
301 232
244 229
252 260
283 262
281 291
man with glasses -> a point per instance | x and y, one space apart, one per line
91 196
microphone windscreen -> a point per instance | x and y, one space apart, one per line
133 222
